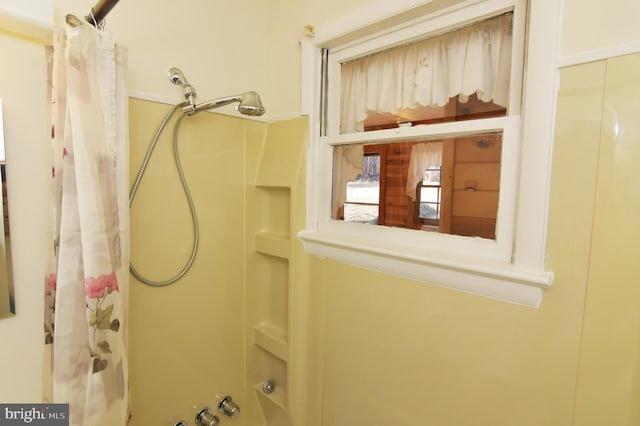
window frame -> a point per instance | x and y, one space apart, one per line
510 268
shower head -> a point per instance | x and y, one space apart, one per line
249 103
177 76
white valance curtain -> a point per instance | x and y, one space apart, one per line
423 156
473 59
87 281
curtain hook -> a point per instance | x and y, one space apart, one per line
93 18
98 25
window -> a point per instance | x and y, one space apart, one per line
429 197
439 88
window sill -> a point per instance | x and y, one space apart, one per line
489 278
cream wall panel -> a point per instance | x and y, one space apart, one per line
186 339
593 25
26 130
608 388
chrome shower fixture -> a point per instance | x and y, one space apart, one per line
249 103
177 77
228 407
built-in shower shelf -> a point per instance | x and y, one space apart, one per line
278 397
272 339
273 244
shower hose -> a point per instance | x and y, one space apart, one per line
136 184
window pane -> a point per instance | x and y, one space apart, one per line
431 176
429 211
430 195
360 213
390 190
366 187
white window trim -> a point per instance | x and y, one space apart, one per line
510 268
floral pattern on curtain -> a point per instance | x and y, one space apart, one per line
87 283
474 59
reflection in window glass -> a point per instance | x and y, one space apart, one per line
449 185
430 194
363 193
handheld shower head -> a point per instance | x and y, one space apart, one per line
249 103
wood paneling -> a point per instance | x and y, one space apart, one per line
478 176
398 209
446 182
485 148
470 179
476 185
480 204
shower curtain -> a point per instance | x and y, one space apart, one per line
87 281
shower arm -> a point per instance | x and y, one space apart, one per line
190 109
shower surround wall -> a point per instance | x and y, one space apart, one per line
338 339
186 343
225 327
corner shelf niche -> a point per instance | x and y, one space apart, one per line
273 244
271 293
277 397
273 340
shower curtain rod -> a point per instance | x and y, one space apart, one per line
100 11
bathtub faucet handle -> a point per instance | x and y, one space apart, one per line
206 418
228 407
